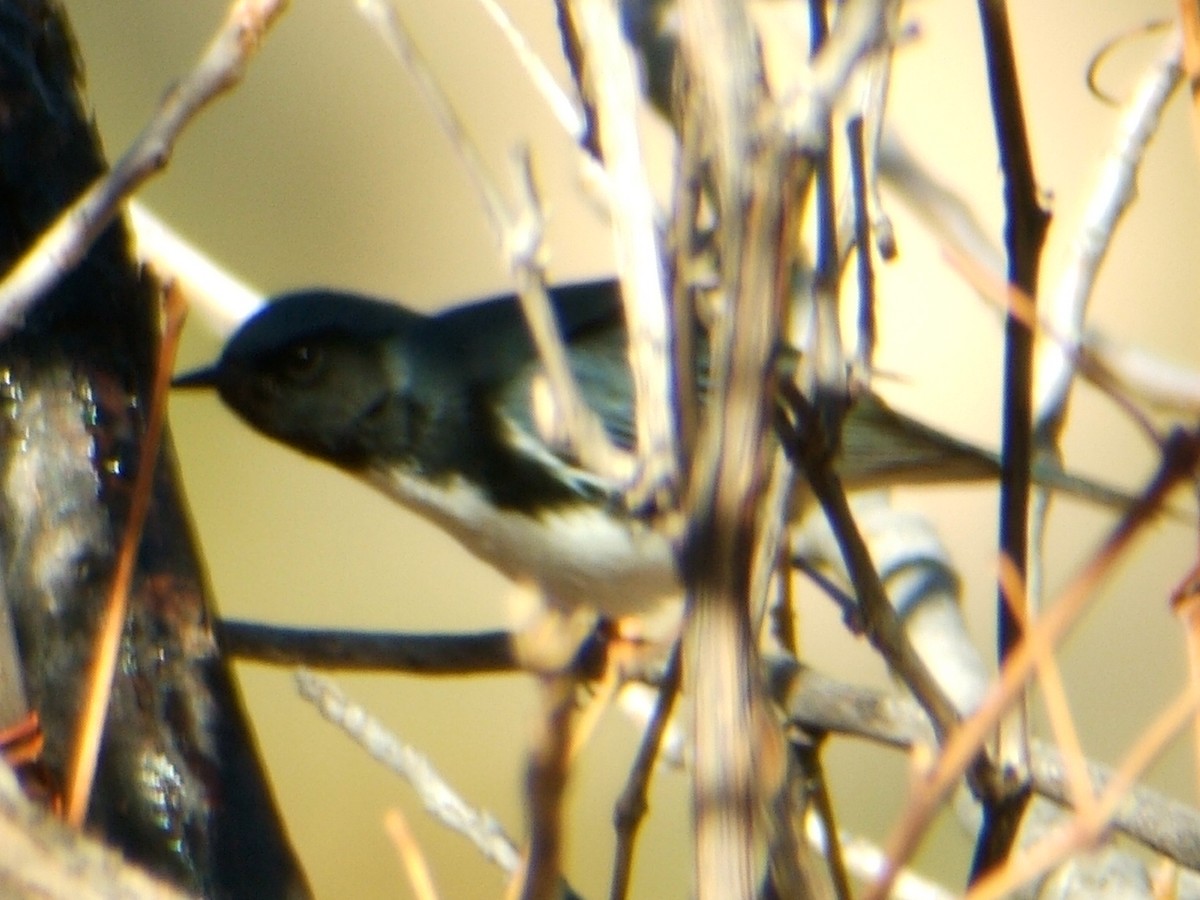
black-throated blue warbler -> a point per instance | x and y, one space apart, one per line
437 411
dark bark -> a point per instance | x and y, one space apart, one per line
179 787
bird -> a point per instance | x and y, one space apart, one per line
438 412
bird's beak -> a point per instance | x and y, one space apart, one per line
197 378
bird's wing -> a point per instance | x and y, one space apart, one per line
601 369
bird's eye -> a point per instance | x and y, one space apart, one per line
301 362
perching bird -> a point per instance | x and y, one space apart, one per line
437 411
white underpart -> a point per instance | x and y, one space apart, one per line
578 556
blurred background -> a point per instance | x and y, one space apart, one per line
325 169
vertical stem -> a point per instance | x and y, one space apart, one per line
1025 230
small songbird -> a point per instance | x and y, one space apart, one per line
438 411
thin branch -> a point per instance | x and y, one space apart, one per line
416 867
1185 602
566 107
1024 236
222 300
862 26
545 784
868 108
438 797
488 652
519 235
1053 691
631 805
66 242
810 767
817 702
755 181
865 859
85 751
610 81
1189 23
823 372
1114 193
1140 375
1103 366
865 350
1180 459
938 206
880 622
1083 832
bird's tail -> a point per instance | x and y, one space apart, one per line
882 447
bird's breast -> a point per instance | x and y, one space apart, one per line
579 555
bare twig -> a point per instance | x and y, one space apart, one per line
864 354
439 798
823 371
631 805
519 235
565 106
865 859
879 618
938 206
1189 23
1054 694
416 867
1081 831
868 110
756 182
610 81
86 749
486 652
862 26
1186 603
545 783
1024 236
1094 361
221 299
1179 462
1139 375
1114 193
815 701
814 783
66 242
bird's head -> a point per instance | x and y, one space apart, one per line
322 371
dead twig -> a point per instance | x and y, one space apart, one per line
610 81
486 652
1180 458
1024 236
815 701
631 804
438 797
519 234
1112 197
65 243
86 750
416 867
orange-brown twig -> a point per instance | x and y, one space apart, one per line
1057 706
1181 457
416 867
87 740
1189 23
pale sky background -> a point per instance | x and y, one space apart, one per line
324 168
